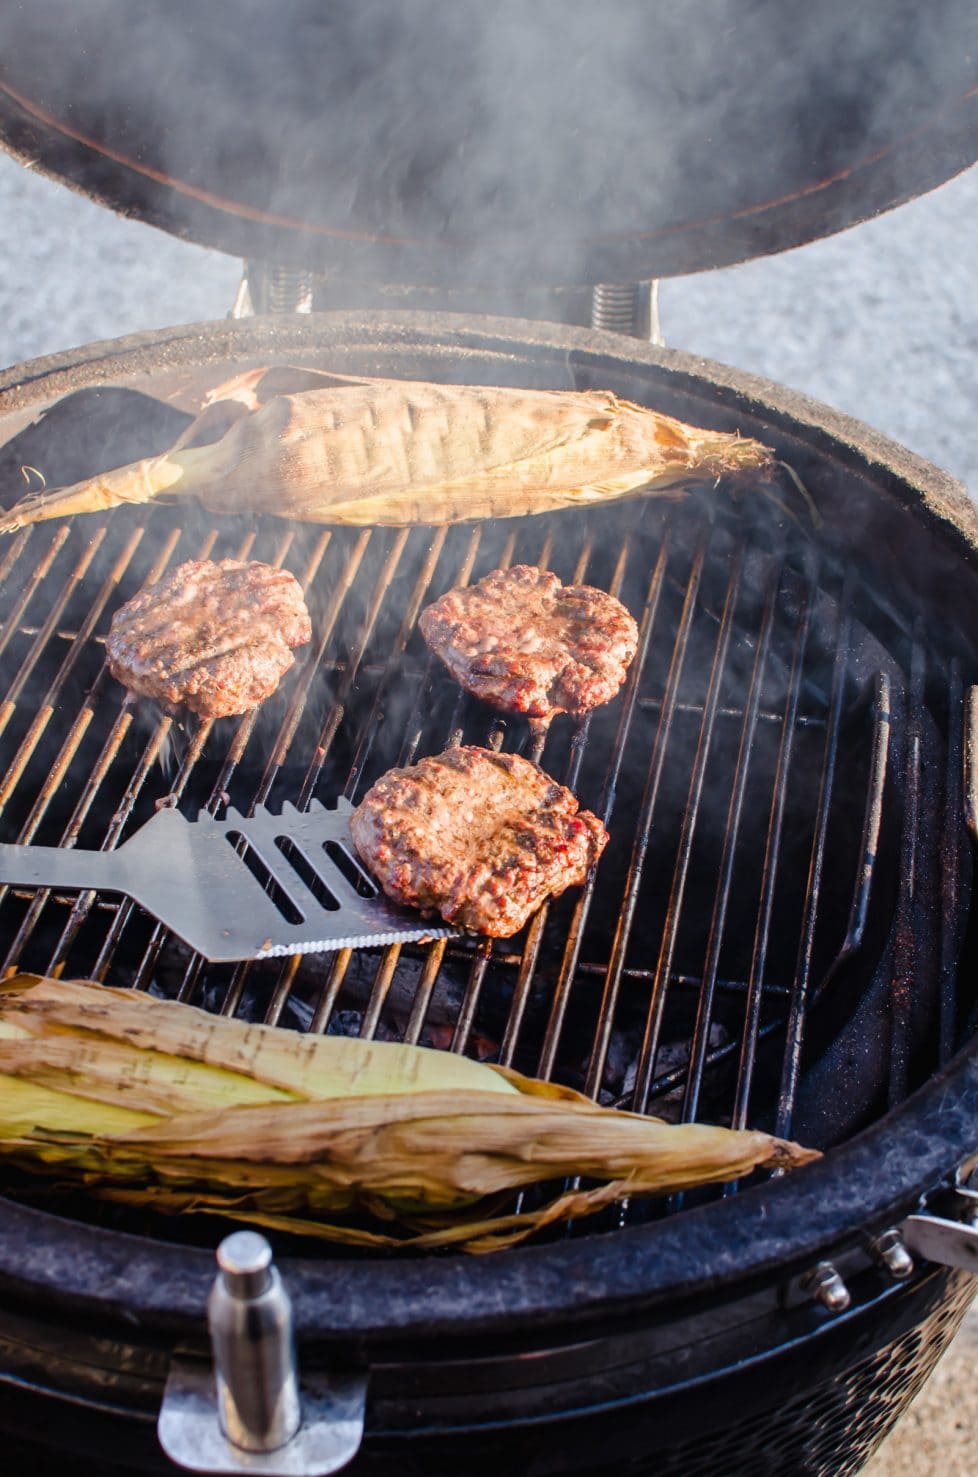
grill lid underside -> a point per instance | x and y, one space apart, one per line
489 146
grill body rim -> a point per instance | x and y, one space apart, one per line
775 1230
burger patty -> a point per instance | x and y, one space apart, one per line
213 637
524 642
479 837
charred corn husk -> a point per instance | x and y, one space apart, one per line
164 1106
379 451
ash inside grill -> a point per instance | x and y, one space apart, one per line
772 936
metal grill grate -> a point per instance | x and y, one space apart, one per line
741 773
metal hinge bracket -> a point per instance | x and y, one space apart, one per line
328 1438
251 1412
948 1243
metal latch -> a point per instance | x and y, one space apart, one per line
251 1413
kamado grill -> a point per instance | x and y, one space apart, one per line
781 932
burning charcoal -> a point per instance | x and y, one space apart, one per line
443 1008
350 1023
621 1065
673 1056
483 1048
345 1023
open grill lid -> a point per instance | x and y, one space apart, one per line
480 145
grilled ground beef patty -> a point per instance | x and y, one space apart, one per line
213 637
524 642
481 838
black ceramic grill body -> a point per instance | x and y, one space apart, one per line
689 1341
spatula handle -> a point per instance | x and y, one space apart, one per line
57 866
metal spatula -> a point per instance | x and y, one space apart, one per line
238 888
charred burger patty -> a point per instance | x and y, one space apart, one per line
215 637
479 837
524 642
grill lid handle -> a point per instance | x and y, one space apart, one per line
250 1413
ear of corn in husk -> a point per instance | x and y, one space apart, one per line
380 451
167 1107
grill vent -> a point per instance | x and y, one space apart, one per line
834 1428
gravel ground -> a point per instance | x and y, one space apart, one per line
936 1436
881 322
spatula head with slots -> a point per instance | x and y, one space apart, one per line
252 887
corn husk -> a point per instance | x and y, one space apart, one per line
379 451
167 1107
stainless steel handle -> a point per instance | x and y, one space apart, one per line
251 1413
250 1319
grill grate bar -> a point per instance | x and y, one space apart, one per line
45 712
151 752
37 576
952 845
40 641
626 916
473 989
494 740
283 987
369 728
414 727
770 866
379 990
82 904
531 951
905 949
338 967
699 1049
791 1068
246 727
188 764
425 990
392 953
330 728
575 934
695 710
147 762
337 711
297 707
683 980
244 732
657 998
13 551
59 768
